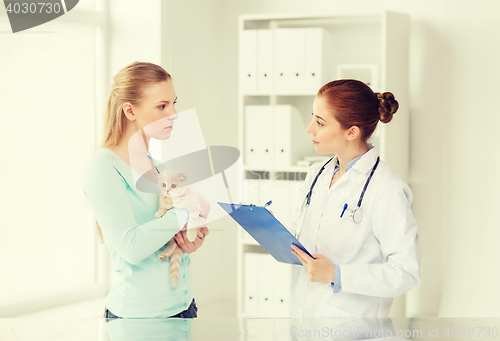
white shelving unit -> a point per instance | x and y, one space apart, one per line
377 43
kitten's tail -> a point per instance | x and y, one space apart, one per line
175 265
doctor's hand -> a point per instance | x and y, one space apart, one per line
320 269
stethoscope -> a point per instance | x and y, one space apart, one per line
356 215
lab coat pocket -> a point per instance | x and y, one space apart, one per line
340 238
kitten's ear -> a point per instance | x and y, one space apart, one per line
182 176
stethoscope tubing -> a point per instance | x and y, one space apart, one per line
308 196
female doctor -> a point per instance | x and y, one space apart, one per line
356 215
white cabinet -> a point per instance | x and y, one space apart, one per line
284 60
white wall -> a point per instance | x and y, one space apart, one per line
454 87
194 56
136 33
470 93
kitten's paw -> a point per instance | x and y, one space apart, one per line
191 234
160 213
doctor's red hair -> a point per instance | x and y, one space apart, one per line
353 103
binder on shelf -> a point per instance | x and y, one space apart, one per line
314 58
259 135
289 59
248 60
275 136
251 283
282 278
265 60
266 286
292 142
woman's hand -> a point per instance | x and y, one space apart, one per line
320 269
187 246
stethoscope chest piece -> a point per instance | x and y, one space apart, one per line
357 215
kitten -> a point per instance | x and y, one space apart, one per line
182 197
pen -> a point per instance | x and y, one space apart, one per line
345 206
268 203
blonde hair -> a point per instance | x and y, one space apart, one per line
128 86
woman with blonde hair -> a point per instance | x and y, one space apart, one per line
141 103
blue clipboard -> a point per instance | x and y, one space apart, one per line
266 230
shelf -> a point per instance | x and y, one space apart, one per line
289 169
317 16
314 93
249 242
354 40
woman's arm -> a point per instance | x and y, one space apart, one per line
396 229
105 190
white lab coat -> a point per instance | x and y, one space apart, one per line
379 257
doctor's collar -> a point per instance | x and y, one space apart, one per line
364 162
351 163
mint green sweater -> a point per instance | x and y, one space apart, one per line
141 285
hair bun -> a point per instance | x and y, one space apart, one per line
387 106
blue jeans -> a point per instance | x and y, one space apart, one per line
190 312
